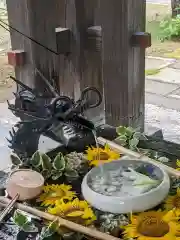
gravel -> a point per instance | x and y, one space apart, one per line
166 119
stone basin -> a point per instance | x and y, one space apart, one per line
126 204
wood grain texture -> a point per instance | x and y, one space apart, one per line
123 65
117 70
19 18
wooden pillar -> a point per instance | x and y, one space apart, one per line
37 20
123 64
175 5
18 18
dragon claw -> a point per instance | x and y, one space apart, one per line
9 141
11 134
15 94
13 130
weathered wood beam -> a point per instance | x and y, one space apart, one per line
63 40
94 38
175 5
91 60
38 20
123 64
141 39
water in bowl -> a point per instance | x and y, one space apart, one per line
123 181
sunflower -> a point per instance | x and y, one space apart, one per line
178 164
173 201
76 211
98 156
152 226
52 193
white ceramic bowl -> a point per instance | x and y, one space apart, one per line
126 204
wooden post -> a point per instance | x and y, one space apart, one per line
123 64
37 20
175 5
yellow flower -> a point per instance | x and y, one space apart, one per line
76 211
152 226
173 201
98 156
52 193
178 164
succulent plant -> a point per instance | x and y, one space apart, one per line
77 161
112 222
42 163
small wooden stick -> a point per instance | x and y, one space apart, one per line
8 207
171 171
63 222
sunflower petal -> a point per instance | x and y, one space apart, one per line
178 163
75 214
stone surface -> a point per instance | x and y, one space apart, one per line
153 86
156 63
7 120
168 75
175 94
176 65
162 118
159 1
163 101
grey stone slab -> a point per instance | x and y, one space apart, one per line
163 101
159 1
166 119
168 75
160 88
176 92
176 65
7 120
150 130
157 63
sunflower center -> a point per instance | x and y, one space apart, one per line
58 193
153 227
101 156
177 202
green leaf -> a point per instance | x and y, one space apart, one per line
48 231
46 173
29 227
23 223
59 162
46 162
121 130
36 159
19 219
56 175
15 167
137 135
71 174
133 143
122 140
15 160
129 131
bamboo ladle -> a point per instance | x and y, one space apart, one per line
62 222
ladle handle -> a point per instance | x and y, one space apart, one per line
8 207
